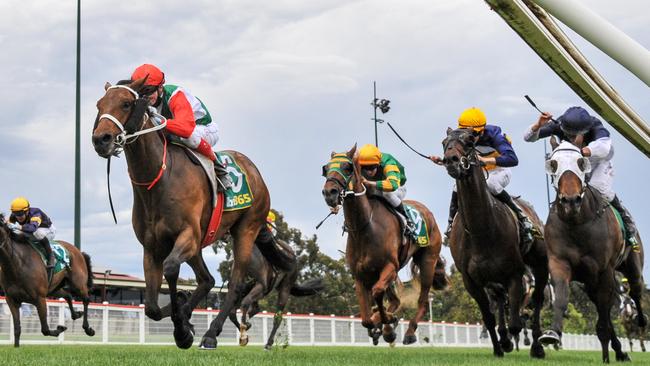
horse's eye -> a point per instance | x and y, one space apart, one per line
126 105
346 167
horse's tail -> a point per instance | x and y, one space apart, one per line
89 269
440 279
308 288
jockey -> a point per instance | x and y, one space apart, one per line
579 127
270 222
187 116
385 173
498 167
34 222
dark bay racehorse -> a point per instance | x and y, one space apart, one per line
585 244
23 277
374 246
265 278
170 217
485 244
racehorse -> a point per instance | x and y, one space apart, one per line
630 323
375 249
172 207
485 245
265 278
24 278
586 244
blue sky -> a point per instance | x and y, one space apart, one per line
288 82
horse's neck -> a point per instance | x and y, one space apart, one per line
475 203
357 211
144 157
9 257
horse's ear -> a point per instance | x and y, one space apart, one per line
584 165
352 151
551 166
324 173
332 154
554 143
107 85
136 85
449 130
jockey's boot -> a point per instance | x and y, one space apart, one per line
453 209
525 225
45 243
222 174
630 227
409 228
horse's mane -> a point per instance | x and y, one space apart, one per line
20 238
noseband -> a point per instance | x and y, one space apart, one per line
334 165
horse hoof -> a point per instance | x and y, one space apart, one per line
183 338
76 315
526 342
268 347
507 346
243 341
392 344
61 328
375 333
623 357
89 332
208 343
390 337
498 352
537 351
409 339
248 325
550 338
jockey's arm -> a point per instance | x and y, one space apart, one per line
391 183
534 132
507 156
182 124
600 148
33 224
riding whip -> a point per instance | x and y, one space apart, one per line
108 179
404 141
546 156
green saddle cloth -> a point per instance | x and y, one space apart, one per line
239 195
61 255
421 233
621 223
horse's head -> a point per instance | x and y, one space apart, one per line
120 113
341 172
459 152
568 170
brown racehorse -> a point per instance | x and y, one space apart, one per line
170 220
374 246
24 279
585 244
266 278
485 245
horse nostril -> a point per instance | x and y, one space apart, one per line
455 159
106 138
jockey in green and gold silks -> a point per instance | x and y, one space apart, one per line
387 174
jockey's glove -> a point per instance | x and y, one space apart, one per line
15 226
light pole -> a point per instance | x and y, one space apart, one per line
382 104
106 274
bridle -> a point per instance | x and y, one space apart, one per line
124 137
466 160
334 166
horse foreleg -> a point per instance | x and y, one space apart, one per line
363 296
41 308
489 321
386 277
14 307
242 248
153 280
204 283
515 297
184 249
560 277
504 339
541 277
283 297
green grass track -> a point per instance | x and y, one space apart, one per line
69 355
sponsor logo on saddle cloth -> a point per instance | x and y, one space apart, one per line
60 255
239 196
421 232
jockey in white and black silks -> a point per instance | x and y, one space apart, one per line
575 123
33 221
498 165
187 116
